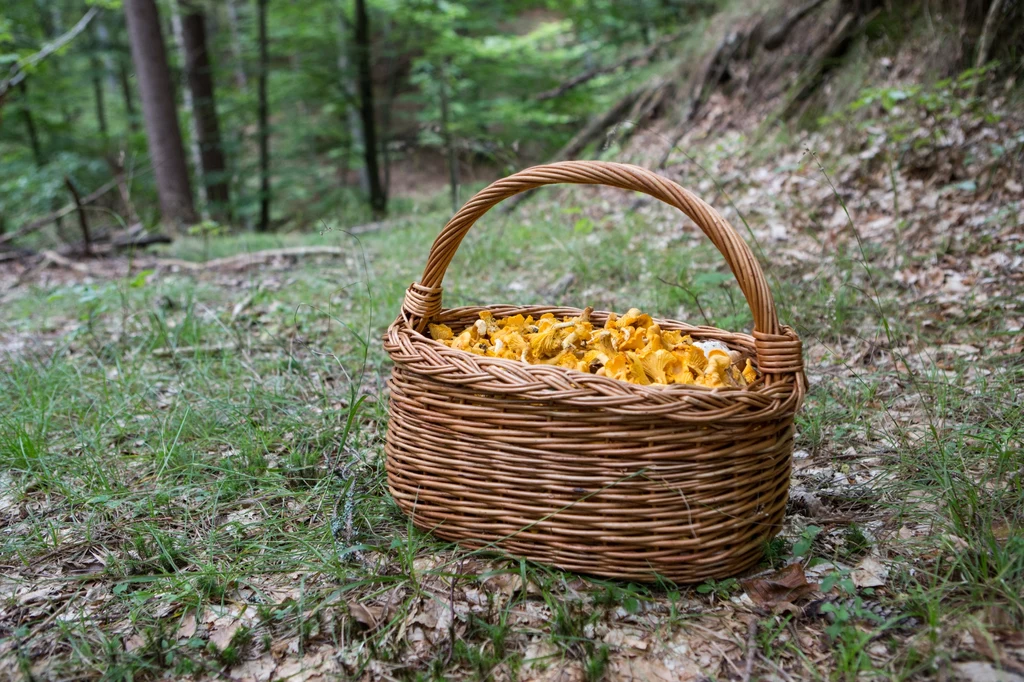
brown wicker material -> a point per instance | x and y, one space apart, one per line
581 471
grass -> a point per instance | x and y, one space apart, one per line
207 450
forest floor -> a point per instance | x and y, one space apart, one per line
191 469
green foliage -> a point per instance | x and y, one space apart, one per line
803 545
491 57
723 589
915 116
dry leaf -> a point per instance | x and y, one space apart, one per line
134 642
625 637
786 585
869 573
976 671
641 670
505 583
187 627
367 615
221 635
259 670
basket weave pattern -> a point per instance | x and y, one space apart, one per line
581 471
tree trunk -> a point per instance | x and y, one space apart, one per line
52 24
264 126
988 32
30 127
352 123
33 140
97 91
190 111
126 93
83 221
103 38
378 201
449 145
385 124
164 136
98 72
236 46
204 107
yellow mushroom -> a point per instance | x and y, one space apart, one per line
693 358
716 375
440 332
631 348
547 342
627 367
749 373
659 365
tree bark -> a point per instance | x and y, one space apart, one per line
263 114
161 117
103 38
190 113
30 127
83 221
378 200
354 139
204 106
53 26
97 91
236 46
129 101
988 33
98 72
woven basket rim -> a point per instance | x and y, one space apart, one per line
661 389
563 385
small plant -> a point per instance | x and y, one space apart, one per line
596 665
206 230
855 543
850 641
768 634
802 546
775 552
232 654
722 589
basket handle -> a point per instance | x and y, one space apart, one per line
775 346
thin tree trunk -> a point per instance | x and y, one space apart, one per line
204 107
988 33
126 93
449 146
354 127
236 46
33 139
103 38
97 91
186 95
83 221
30 126
263 114
97 86
52 27
161 117
378 202
385 124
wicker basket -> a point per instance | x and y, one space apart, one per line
586 472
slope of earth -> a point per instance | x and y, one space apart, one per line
191 475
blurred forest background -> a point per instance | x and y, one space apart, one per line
223 116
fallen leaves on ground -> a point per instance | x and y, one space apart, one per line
787 585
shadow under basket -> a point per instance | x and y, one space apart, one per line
585 472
